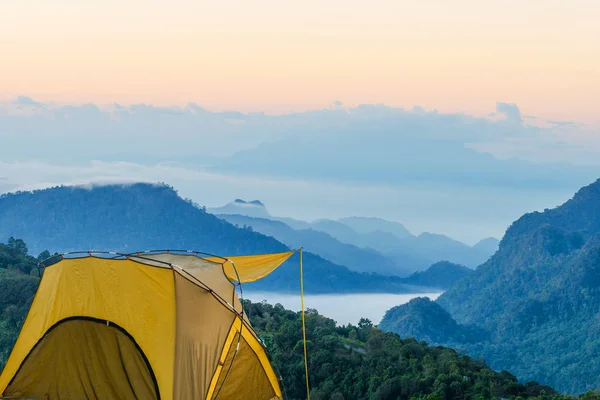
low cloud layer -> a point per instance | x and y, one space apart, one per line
465 176
145 133
467 214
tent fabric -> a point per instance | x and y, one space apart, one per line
137 297
163 326
94 352
211 274
247 377
252 268
202 328
252 358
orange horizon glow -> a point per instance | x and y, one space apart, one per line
280 57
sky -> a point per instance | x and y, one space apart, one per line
283 56
450 117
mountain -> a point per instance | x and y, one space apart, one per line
369 225
254 208
537 298
419 251
137 217
390 239
440 275
353 257
426 320
377 240
293 223
440 247
393 240
487 246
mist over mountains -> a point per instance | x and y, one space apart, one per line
433 171
359 242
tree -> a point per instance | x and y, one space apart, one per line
365 323
44 255
20 246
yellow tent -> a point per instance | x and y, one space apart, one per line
154 325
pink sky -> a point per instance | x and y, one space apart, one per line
279 56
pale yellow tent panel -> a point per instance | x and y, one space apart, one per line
252 268
148 326
252 371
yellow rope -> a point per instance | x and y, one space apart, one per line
304 327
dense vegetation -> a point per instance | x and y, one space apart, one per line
537 300
363 362
17 287
426 320
143 216
349 362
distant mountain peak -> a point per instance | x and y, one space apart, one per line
254 208
253 202
580 213
487 245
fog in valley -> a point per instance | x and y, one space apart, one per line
343 308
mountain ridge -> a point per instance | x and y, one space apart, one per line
537 297
143 216
440 275
390 239
353 257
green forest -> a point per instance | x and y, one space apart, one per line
348 362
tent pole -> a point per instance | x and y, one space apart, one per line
304 327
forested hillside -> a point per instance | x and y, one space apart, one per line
349 362
537 299
363 362
17 288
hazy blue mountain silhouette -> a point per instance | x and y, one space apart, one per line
137 217
355 258
386 240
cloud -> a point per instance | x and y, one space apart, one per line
369 142
420 207
337 105
511 111
569 124
27 101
